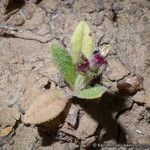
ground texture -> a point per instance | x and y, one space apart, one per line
26 71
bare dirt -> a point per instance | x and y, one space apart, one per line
26 71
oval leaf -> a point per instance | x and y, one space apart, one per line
79 82
64 62
46 107
81 42
91 93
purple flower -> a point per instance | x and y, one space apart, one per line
94 64
83 66
97 61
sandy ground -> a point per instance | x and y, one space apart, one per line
26 71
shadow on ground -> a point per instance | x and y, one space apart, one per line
14 4
49 131
106 111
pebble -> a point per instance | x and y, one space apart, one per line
130 84
72 116
4 132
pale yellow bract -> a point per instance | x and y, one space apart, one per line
81 42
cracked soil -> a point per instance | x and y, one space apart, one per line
27 71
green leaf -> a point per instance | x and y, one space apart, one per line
92 75
64 62
79 82
90 93
81 42
83 80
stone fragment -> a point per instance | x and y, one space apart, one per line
139 97
4 132
115 70
143 98
24 138
130 84
88 142
137 130
72 116
87 127
8 116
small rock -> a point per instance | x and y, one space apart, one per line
87 127
139 97
131 124
4 132
130 84
88 142
24 138
145 114
115 70
8 116
72 116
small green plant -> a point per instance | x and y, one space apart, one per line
81 66
78 69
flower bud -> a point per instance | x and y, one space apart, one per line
97 61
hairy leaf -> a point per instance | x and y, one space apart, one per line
79 82
64 62
90 93
92 75
46 107
81 42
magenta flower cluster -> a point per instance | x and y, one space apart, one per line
94 64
